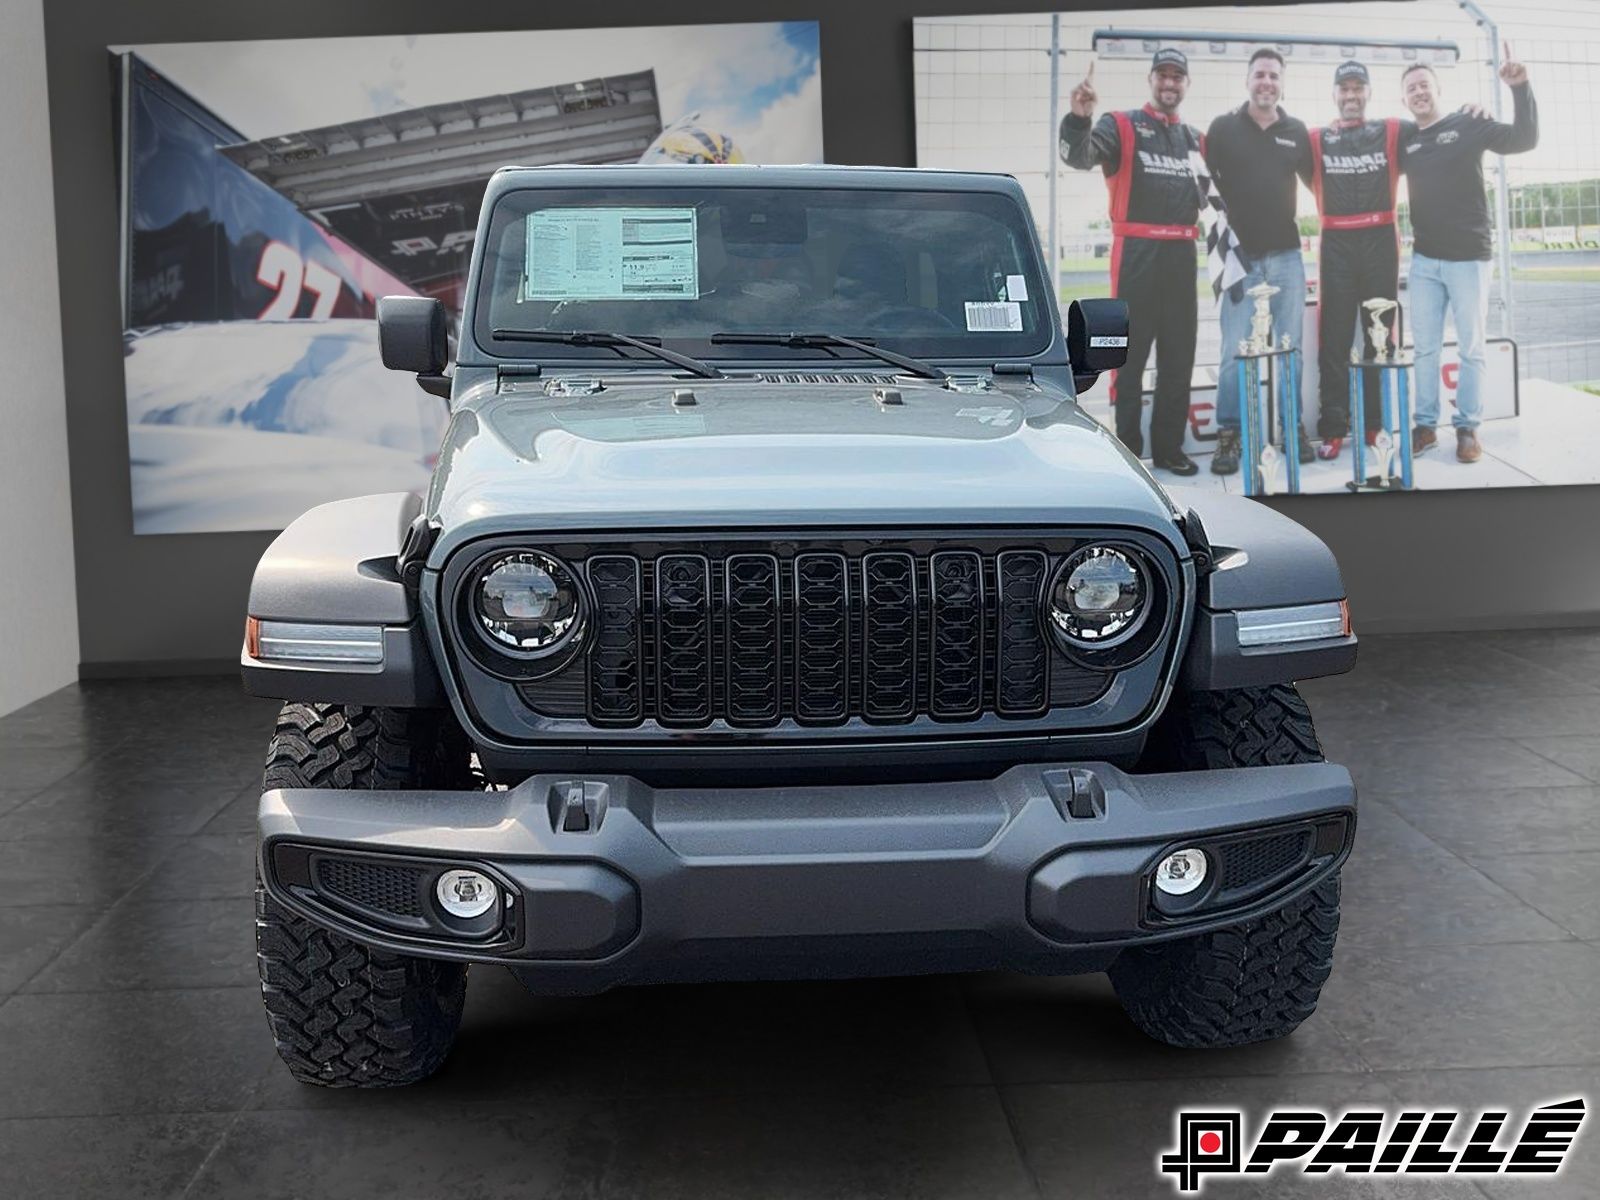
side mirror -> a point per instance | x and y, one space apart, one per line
413 336
1097 339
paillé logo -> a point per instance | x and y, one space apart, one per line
1211 1142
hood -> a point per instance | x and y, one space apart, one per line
763 452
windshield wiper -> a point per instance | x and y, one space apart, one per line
584 337
823 340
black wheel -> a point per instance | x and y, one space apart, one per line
1260 979
344 1015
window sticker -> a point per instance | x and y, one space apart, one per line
999 316
611 254
1016 287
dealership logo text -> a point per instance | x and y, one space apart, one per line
1357 1143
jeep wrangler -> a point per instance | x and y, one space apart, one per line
775 611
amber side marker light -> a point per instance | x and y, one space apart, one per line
252 637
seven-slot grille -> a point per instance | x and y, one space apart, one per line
820 636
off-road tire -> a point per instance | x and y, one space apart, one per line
342 1014
1260 979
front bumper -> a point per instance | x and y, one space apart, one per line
605 880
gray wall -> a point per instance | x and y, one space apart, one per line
38 603
1459 560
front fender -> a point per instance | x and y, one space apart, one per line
1260 560
337 566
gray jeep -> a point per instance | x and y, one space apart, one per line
776 612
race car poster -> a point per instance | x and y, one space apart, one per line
1359 242
271 191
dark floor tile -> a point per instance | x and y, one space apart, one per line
1514 1092
939 1142
30 768
94 1053
1042 1030
127 1157
31 937
1425 1007
1439 666
74 870
514 1048
202 867
1571 652
239 815
1579 754
232 760
1105 1139
444 1154
88 807
1473 713
180 944
837 1035
1394 767
1562 886
10 798
1400 888
1347 723
1480 823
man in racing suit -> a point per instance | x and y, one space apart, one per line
1355 172
1144 155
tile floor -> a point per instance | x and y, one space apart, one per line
135 1060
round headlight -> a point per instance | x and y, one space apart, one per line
1101 596
527 602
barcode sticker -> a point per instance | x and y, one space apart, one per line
1000 316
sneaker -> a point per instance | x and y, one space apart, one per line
1307 450
1226 459
1330 449
1423 438
1177 462
1467 448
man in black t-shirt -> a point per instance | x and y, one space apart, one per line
1256 153
1442 157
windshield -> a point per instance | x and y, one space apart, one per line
926 273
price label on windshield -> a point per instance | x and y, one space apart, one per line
611 254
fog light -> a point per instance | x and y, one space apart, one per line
1181 872
466 894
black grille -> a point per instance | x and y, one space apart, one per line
614 690
889 610
683 639
814 634
1022 677
822 637
754 659
956 689
383 887
1247 864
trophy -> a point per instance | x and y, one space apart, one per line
1261 319
1383 450
1390 449
1378 308
1274 470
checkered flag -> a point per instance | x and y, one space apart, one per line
1224 258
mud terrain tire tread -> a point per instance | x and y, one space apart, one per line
1260 979
342 1014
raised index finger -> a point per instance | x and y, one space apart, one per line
1509 57
1089 76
